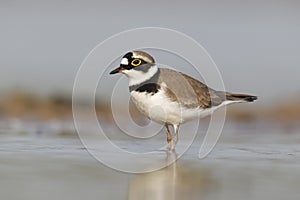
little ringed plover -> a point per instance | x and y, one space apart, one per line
170 97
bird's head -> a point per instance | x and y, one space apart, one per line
138 66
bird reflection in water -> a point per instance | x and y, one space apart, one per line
176 181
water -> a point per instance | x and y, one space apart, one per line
249 162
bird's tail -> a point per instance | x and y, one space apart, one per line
240 97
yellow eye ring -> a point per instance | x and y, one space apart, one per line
136 62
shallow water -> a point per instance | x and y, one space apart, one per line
48 161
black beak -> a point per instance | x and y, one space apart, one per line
119 69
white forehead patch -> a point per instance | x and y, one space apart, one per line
124 61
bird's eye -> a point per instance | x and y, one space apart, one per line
136 62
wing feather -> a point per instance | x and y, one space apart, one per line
188 91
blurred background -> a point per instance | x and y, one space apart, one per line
255 45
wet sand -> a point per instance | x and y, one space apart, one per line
249 162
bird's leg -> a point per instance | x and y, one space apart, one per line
169 137
176 128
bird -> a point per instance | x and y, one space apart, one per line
170 97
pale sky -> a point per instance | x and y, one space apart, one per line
255 44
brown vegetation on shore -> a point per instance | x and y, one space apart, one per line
284 112
25 105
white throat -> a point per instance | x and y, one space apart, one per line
137 77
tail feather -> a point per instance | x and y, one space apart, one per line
240 97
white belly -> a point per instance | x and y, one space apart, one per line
159 108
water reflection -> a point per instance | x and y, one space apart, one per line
177 181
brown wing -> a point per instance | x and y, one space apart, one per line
189 91
207 97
